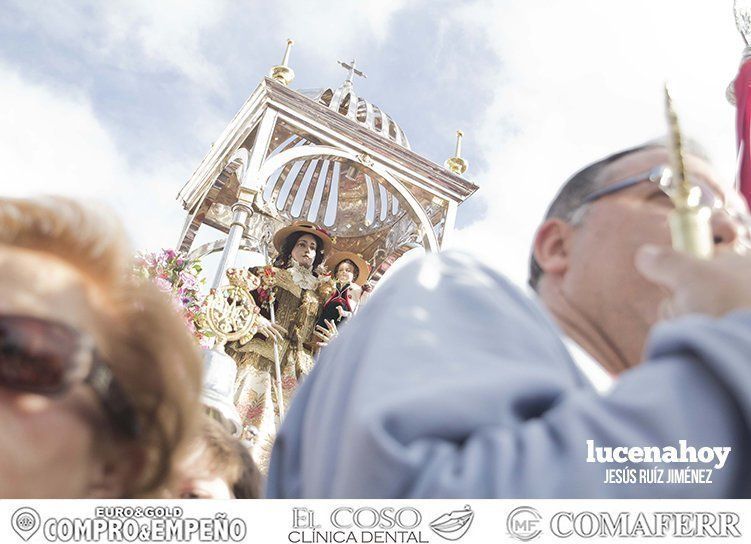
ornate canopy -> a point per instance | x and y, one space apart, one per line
328 156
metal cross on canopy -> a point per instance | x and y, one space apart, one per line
352 71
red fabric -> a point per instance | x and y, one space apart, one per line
742 87
340 296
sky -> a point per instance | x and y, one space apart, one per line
119 101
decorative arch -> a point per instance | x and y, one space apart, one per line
297 153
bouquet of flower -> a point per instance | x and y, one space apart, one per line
174 273
266 289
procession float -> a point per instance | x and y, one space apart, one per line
325 166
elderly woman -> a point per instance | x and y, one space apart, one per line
99 378
293 285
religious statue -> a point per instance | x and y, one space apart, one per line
350 273
290 294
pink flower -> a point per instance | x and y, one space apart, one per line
187 280
174 273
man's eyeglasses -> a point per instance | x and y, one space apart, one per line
661 176
47 357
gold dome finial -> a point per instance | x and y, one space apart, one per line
283 73
456 164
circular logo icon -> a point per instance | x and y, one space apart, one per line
25 522
523 523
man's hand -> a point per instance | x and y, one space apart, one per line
714 287
326 335
343 312
269 330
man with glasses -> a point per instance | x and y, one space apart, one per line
582 258
452 383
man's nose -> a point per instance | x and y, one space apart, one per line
725 230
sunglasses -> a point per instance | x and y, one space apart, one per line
47 358
703 195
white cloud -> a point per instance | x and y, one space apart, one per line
137 35
172 32
52 143
578 80
147 35
333 29
141 34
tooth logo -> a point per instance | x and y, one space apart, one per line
454 525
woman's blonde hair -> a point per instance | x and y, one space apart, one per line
148 347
